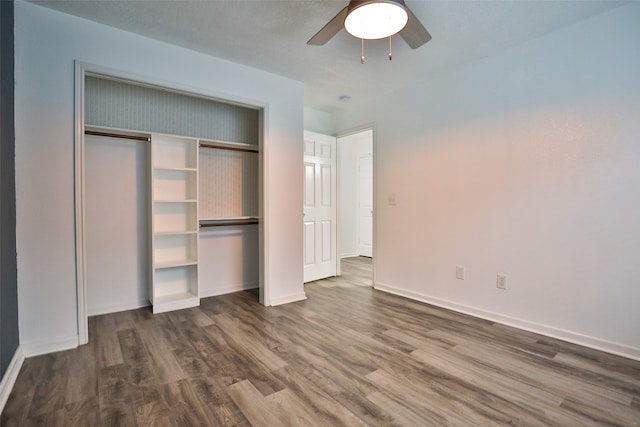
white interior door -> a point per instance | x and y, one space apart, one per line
365 204
319 206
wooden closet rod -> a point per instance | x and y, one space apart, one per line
226 224
117 135
230 147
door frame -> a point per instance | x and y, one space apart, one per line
82 70
360 191
373 128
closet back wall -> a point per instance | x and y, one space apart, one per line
116 217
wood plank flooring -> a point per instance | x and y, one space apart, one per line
347 356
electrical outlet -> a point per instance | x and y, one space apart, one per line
460 272
501 282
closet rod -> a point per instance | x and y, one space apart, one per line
117 135
226 224
229 147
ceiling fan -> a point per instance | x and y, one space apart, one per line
375 19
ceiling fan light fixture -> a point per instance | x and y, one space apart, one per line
375 19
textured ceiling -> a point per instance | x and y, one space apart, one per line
272 34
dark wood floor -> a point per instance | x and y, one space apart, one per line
348 355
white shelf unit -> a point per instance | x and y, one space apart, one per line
174 223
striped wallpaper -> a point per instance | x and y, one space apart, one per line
228 183
123 105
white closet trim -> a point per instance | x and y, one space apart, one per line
83 69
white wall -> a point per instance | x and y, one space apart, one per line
525 163
47 43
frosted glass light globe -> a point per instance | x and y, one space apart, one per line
376 20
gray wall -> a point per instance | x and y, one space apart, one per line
9 338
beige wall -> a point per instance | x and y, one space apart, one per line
524 163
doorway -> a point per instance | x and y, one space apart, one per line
345 179
356 194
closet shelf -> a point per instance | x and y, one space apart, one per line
175 301
163 168
233 146
176 263
175 201
175 233
96 131
230 218
228 222
174 213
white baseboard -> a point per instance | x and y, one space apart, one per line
106 309
550 331
206 293
287 299
10 376
37 348
353 255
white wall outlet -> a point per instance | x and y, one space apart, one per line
460 272
501 282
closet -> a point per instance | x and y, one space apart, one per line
201 229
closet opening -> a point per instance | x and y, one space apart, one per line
169 205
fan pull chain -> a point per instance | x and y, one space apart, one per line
362 57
